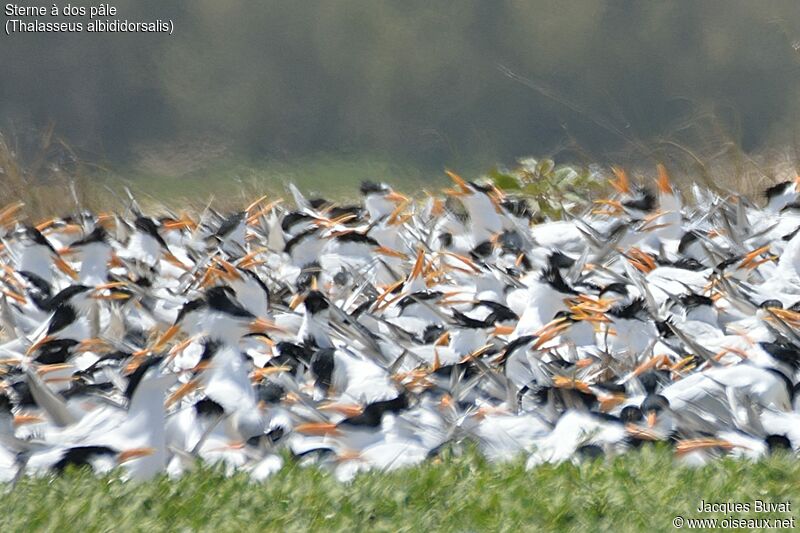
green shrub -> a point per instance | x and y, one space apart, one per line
553 189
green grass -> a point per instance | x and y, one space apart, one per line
639 491
231 181
188 181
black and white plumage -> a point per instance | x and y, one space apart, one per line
371 335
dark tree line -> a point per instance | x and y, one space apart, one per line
424 80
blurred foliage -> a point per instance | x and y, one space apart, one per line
553 189
46 176
455 82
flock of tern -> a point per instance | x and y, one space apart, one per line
375 335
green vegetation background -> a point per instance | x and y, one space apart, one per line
642 491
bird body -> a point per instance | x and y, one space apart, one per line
372 335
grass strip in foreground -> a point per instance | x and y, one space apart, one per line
639 491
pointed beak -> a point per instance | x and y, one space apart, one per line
466 260
72 229
693 445
38 344
250 259
262 325
137 359
348 455
443 340
178 348
383 250
680 365
97 292
333 222
43 370
437 209
111 285
266 341
256 203
210 277
446 402
503 330
317 428
599 304
382 304
664 185
182 223
651 419
397 198
23 419
419 264
8 216
455 193
182 391
41 226
653 217
653 362
594 318
610 401
550 331
477 353
346 409
166 337
255 217
749 260
291 398
397 218
14 296
613 207
9 276
171 259
297 299
134 453
388 290
790 317
459 182
111 296
201 366
252 263
622 184
564 382
65 268
261 373
641 432
173 225
115 261
92 345
643 262
106 220
230 272
553 323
